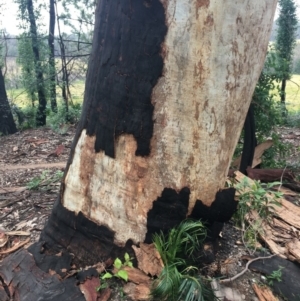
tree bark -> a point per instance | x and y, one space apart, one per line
282 99
41 111
52 56
7 123
167 91
282 91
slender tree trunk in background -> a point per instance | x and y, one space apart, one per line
52 57
167 91
7 123
41 111
282 91
65 77
282 98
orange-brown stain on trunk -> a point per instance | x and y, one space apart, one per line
201 4
209 20
87 162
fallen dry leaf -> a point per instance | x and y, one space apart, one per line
137 291
58 151
88 288
105 295
136 275
149 260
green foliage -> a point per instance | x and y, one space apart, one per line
181 241
255 197
25 60
25 116
119 271
275 157
286 36
58 121
268 112
296 68
44 180
180 280
275 276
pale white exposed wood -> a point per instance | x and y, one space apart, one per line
213 54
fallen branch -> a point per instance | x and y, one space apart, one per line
245 269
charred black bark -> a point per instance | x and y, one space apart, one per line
249 141
282 91
41 111
76 234
124 67
169 210
289 286
220 211
7 123
52 57
282 98
27 282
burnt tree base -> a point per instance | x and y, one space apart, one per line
71 241
23 280
76 234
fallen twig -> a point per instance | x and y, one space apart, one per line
245 269
16 247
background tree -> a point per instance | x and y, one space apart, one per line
41 111
7 123
52 71
285 42
25 60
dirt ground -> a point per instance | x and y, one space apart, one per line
31 166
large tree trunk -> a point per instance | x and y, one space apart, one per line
167 91
7 123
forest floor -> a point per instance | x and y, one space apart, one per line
31 167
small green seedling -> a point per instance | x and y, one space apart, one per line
44 179
119 265
37 181
255 197
275 276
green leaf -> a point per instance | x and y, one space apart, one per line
117 263
126 257
129 263
107 276
102 286
123 275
